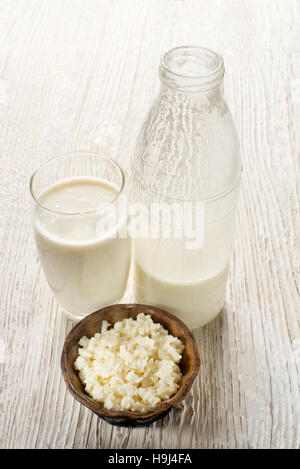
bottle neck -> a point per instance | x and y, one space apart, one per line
192 69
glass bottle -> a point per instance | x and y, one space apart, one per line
187 157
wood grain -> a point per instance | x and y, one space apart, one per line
81 74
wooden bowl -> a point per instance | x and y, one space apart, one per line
91 324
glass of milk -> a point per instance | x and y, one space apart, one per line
79 226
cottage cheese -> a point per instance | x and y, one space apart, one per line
132 366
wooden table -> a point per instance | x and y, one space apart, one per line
81 74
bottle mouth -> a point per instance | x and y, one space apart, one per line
191 68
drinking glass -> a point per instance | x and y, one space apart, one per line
81 243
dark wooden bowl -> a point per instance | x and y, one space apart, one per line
91 324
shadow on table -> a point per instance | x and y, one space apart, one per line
197 419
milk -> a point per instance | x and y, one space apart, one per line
195 303
190 283
85 270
